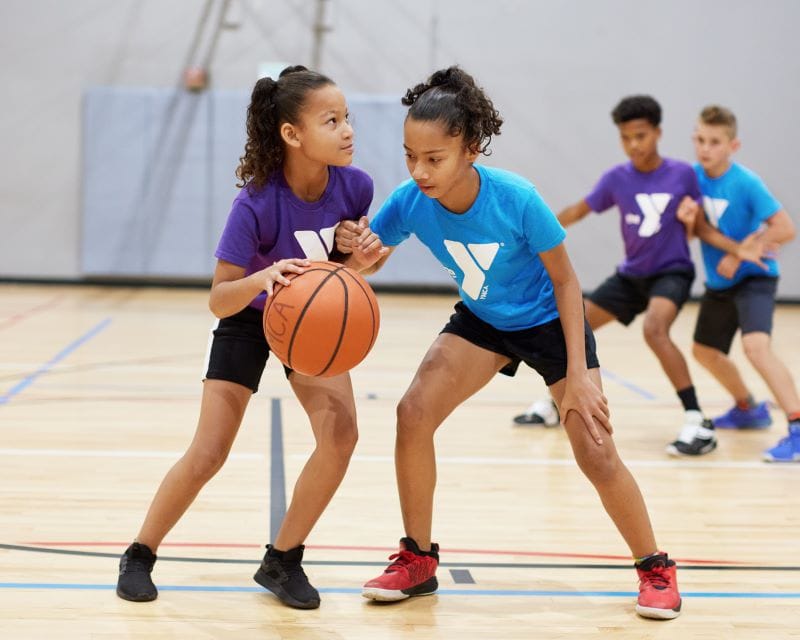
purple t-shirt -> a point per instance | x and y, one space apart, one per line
655 240
272 223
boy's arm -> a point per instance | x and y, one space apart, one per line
780 228
574 213
581 394
752 249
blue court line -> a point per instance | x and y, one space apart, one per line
628 385
277 478
525 593
30 379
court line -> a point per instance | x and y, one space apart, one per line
370 563
627 384
455 460
111 453
570 462
529 593
277 477
371 548
18 317
30 379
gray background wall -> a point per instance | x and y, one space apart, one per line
553 68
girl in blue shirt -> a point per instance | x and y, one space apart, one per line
520 302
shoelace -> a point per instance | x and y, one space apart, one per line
656 577
401 559
135 565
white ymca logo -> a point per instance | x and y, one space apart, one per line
715 208
474 261
652 206
316 246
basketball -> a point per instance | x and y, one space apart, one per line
325 322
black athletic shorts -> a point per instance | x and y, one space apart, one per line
626 297
748 305
542 348
239 350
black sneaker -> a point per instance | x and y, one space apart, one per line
282 573
696 438
134 582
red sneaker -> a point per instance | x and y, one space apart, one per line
658 588
413 573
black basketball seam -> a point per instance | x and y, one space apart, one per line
344 319
299 320
371 310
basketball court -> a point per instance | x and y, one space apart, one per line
100 393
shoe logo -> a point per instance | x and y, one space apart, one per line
652 206
715 208
474 261
316 246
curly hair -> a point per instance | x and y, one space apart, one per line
450 96
272 103
637 108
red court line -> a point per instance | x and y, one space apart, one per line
19 317
328 547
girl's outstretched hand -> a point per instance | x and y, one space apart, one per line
274 274
583 396
347 234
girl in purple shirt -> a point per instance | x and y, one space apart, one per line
297 186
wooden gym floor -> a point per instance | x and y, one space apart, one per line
99 393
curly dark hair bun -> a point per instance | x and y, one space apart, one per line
452 97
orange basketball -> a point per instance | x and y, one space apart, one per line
325 322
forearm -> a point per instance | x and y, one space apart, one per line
780 229
569 300
714 237
228 298
571 215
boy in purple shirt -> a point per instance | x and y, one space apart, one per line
656 275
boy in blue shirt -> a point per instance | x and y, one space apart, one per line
740 295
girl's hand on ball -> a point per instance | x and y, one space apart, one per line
274 274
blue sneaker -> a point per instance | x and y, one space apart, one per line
788 449
756 417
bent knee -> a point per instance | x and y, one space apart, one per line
756 347
204 464
703 353
599 465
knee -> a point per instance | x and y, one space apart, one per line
204 464
755 350
703 354
339 442
656 333
411 418
599 465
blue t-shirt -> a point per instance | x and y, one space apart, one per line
272 223
491 250
736 203
654 238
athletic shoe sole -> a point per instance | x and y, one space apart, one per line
674 451
427 588
659 614
142 597
769 458
268 583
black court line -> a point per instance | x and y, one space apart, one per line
277 483
462 576
364 563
